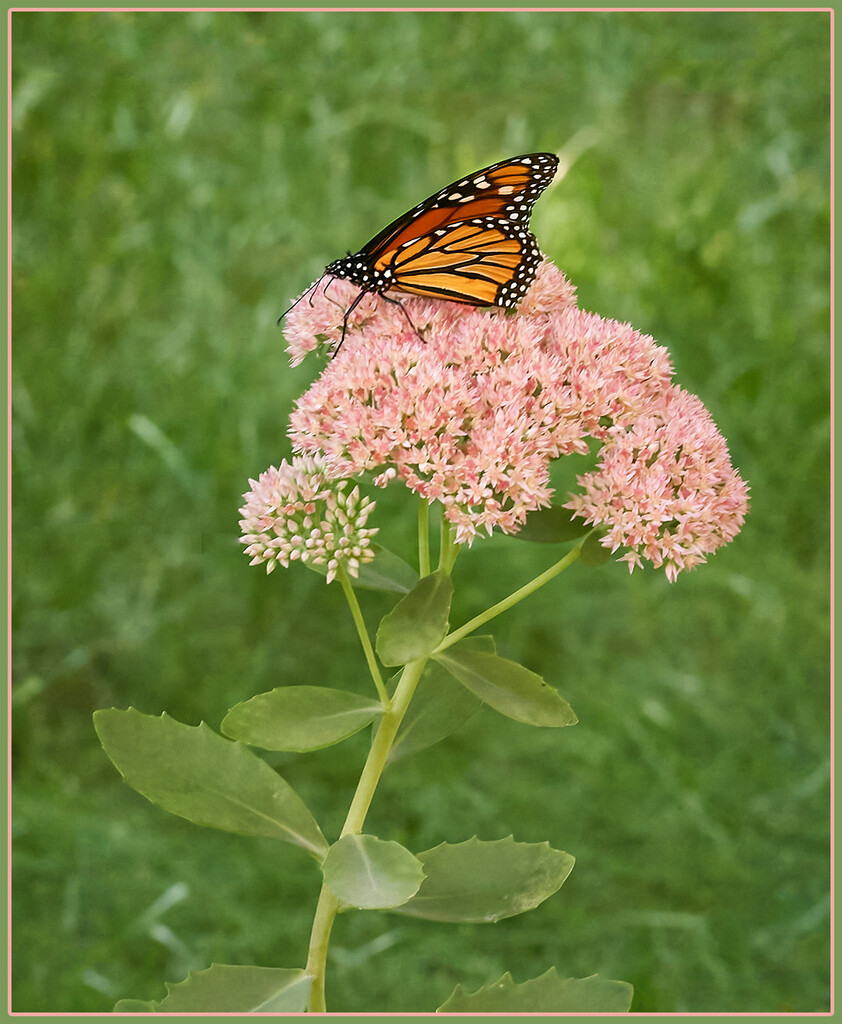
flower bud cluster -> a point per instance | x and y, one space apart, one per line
300 512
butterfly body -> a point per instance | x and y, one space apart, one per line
469 242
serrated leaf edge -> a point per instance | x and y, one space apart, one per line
301 841
506 982
172 986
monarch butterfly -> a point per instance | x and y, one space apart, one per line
469 242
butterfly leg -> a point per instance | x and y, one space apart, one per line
362 292
348 312
402 308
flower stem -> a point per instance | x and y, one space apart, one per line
378 755
362 632
511 600
323 920
423 538
381 746
448 550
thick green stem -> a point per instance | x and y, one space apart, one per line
381 747
511 600
378 755
317 956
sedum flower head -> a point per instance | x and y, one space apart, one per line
664 486
299 512
473 415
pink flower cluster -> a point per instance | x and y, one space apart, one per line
298 512
664 486
470 407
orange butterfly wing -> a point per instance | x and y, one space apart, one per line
469 262
506 190
470 242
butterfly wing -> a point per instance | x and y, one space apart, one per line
481 262
469 242
506 190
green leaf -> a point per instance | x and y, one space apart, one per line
508 687
386 571
229 988
440 706
364 871
552 525
483 882
136 1006
417 623
299 718
193 772
545 994
593 553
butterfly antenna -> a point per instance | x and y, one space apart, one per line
308 293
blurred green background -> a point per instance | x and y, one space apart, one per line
177 178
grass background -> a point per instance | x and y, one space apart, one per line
176 179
